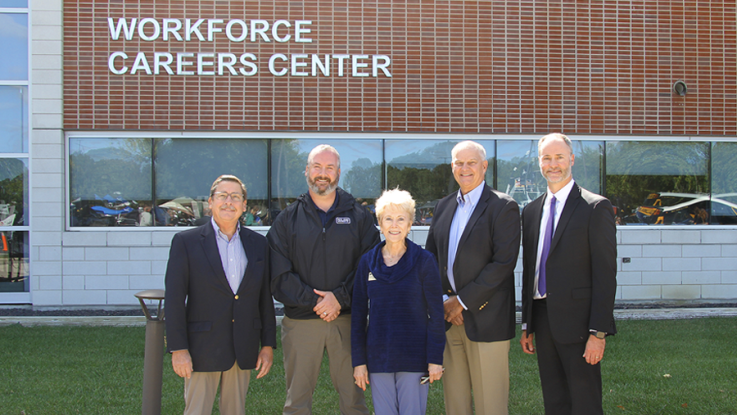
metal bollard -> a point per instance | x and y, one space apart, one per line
153 361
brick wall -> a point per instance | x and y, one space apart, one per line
457 66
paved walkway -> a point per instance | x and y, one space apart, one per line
627 314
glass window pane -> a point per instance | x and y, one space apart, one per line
21 4
14 46
13 192
519 171
360 169
724 184
423 168
110 180
658 183
186 169
14 262
13 119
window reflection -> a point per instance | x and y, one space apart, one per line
724 184
519 172
186 168
657 183
14 3
13 119
14 43
110 180
13 192
423 168
360 170
14 261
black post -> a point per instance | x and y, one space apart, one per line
153 361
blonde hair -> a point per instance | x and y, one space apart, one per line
398 198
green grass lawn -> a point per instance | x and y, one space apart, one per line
651 367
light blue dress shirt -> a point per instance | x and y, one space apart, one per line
466 205
232 256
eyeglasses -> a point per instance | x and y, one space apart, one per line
223 196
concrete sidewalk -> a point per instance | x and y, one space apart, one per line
622 314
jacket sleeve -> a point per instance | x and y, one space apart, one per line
525 271
497 273
359 316
286 286
266 310
176 282
369 238
433 291
603 245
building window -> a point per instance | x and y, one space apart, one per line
423 168
724 184
659 183
360 170
186 168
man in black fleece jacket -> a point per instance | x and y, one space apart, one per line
316 243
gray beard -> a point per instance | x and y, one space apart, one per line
315 189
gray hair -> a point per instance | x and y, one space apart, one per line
552 136
319 149
469 144
227 178
398 198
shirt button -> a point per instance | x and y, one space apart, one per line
236 297
232 321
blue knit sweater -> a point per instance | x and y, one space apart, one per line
404 304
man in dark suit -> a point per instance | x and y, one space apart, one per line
475 235
569 283
220 319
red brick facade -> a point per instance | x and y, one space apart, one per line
581 67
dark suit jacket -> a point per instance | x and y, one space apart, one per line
202 313
581 266
484 263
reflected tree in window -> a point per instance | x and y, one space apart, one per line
423 168
360 169
109 179
13 192
658 182
186 168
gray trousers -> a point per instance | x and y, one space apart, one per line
398 393
304 343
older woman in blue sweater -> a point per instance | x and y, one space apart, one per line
397 326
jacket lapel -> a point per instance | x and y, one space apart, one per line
210 247
251 256
573 198
536 213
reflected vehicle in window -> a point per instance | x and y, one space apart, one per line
667 208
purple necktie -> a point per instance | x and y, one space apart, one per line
542 286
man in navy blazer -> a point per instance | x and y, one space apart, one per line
475 236
220 320
569 283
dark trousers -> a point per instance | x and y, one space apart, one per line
570 385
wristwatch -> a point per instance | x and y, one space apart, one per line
599 334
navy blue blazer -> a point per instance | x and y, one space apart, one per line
484 264
202 313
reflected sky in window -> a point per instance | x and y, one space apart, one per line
14 46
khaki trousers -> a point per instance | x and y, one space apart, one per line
481 367
304 343
200 391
